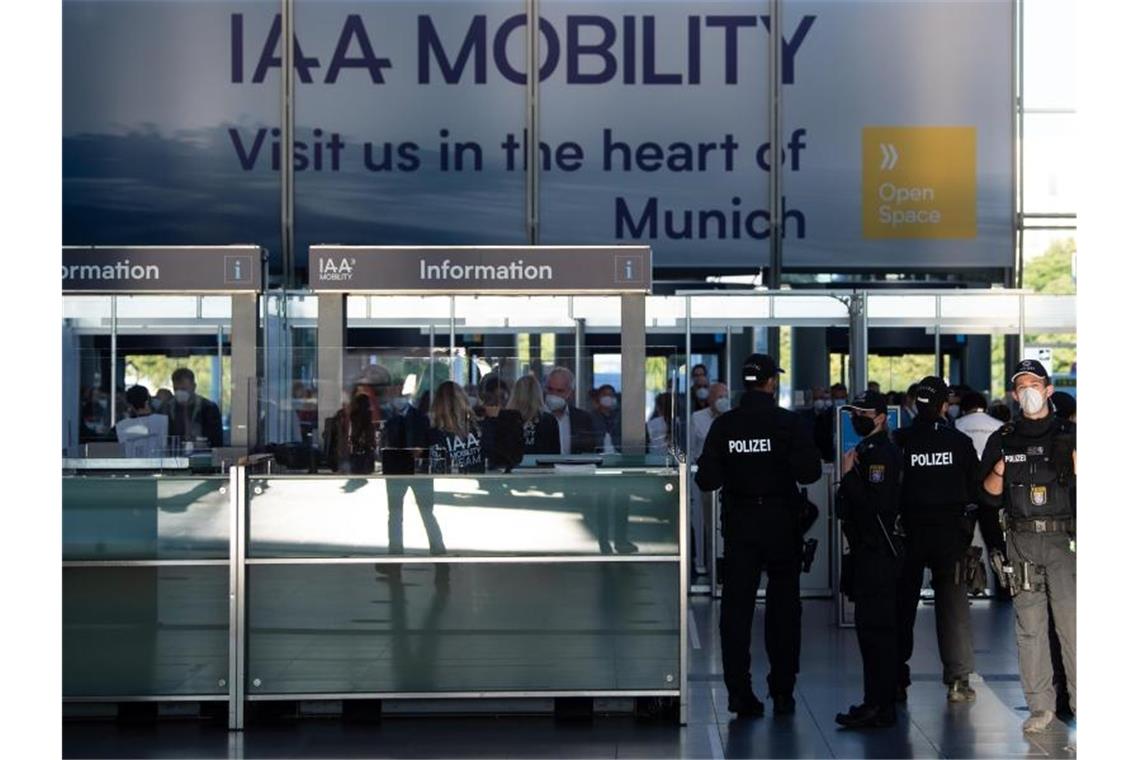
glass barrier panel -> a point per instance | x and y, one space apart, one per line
596 512
908 307
751 307
346 628
145 517
1049 313
145 631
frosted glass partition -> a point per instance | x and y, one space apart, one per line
998 311
883 309
731 309
87 311
513 311
163 307
665 311
598 311
810 309
217 307
1050 313
400 309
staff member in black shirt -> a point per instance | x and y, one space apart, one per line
868 503
757 453
939 482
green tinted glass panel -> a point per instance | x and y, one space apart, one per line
425 627
145 631
605 512
145 517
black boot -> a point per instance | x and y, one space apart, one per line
783 704
746 704
867 716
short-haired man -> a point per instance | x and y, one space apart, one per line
191 416
576 433
1029 469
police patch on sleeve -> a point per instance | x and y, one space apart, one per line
877 473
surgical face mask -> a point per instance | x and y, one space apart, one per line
722 405
864 426
702 393
400 403
555 403
473 401
607 402
1032 400
954 411
181 396
819 404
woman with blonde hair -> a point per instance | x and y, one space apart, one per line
540 429
455 439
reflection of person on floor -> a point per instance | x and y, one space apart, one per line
406 427
414 668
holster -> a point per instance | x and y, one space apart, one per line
970 570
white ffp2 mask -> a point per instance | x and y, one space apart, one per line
1031 400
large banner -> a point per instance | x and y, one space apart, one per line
896 149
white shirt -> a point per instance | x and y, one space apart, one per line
979 426
563 431
143 437
702 421
658 435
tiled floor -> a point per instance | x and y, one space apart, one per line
830 680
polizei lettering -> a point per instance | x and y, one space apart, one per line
750 446
933 459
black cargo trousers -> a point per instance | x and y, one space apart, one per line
761 536
939 544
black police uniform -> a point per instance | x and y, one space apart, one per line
868 503
939 482
758 452
1040 512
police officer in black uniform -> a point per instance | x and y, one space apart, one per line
1029 468
938 491
757 453
868 503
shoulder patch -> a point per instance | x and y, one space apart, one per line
877 473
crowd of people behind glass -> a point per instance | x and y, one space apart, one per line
493 423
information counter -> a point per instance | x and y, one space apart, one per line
539 583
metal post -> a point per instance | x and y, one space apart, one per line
238 524
683 586
938 336
114 353
1020 327
431 361
857 343
533 167
217 387
243 369
580 391
1019 156
633 372
452 362
727 374
331 341
688 384
288 75
775 138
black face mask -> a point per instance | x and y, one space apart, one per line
864 426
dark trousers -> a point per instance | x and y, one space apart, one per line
423 490
775 548
939 547
874 581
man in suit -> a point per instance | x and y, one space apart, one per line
576 432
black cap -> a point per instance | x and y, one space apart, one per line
758 368
870 401
1031 367
931 390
